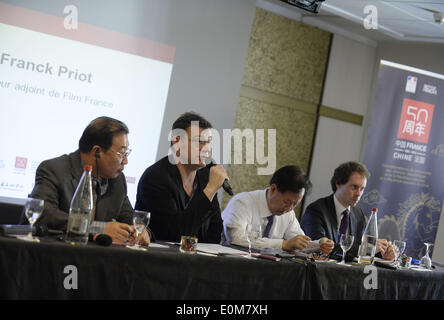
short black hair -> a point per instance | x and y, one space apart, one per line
101 132
291 178
184 121
345 170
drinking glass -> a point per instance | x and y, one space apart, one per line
188 244
253 232
141 219
399 247
425 261
33 209
346 242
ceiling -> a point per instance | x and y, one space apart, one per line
397 20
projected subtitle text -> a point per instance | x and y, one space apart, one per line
67 96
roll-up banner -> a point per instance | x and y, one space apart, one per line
405 155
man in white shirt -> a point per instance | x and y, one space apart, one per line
272 208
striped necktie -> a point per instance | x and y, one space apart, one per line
344 223
268 227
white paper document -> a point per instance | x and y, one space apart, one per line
214 248
158 245
312 246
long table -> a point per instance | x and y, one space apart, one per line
53 269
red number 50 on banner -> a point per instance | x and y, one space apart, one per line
416 121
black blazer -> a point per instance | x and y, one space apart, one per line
160 191
56 181
319 220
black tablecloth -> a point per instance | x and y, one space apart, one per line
36 271
347 282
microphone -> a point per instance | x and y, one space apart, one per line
101 239
226 185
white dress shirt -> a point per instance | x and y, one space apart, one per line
246 206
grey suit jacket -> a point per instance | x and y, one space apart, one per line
56 181
319 220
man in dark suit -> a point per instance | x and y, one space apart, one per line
180 189
324 217
104 146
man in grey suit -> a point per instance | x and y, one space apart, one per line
324 217
104 146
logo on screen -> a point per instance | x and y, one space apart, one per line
411 84
20 163
416 121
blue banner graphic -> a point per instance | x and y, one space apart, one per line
405 156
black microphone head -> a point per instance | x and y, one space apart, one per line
101 239
104 240
227 187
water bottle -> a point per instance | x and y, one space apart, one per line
80 210
367 249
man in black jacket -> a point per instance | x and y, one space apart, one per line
180 189
323 218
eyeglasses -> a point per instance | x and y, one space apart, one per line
201 142
122 155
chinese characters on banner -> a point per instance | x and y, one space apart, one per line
405 155
416 121
414 126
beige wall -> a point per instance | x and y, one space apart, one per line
282 87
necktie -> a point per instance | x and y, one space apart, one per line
268 227
344 223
